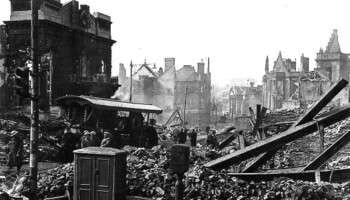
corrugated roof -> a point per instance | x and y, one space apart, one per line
110 104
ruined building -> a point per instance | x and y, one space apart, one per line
243 97
198 86
286 87
166 88
279 84
75 47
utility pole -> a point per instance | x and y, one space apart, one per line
185 105
131 66
34 108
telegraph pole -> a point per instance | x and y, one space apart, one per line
34 108
131 66
185 105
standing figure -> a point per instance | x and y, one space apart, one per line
152 135
183 135
193 138
212 141
107 140
85 139
15 154
175 134
68 144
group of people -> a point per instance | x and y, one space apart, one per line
72 140
180 136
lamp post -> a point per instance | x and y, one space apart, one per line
131 66
34 107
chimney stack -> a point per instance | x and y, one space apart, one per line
304 63
169 63
200 67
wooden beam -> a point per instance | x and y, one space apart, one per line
328 153
251 122
278 141
259 122
334 176
324 100
307 117
241 141
229 139
258 161
321 133
252 114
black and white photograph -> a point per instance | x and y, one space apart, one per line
174 100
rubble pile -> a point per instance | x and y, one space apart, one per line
283 116
148 176
51 183
300 152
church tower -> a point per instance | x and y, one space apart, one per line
267 65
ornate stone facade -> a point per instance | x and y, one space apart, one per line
284 85
75 48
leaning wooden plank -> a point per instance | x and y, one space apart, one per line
259 122
258 161
252 114
328 153
308 116
278 141
324 100
334 176
229 139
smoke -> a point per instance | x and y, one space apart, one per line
120 95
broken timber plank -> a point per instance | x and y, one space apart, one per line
328 153
258 161
324 100
229 139
307 117
261 117
278 141
252 114
334 176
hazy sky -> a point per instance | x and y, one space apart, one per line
237 35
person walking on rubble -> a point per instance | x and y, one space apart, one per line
15 154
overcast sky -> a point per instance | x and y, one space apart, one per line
236 35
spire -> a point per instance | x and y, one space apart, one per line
267 64
279 55
208 65
333 44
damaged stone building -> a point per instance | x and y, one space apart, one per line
286 87
75 48
243 97
166 88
